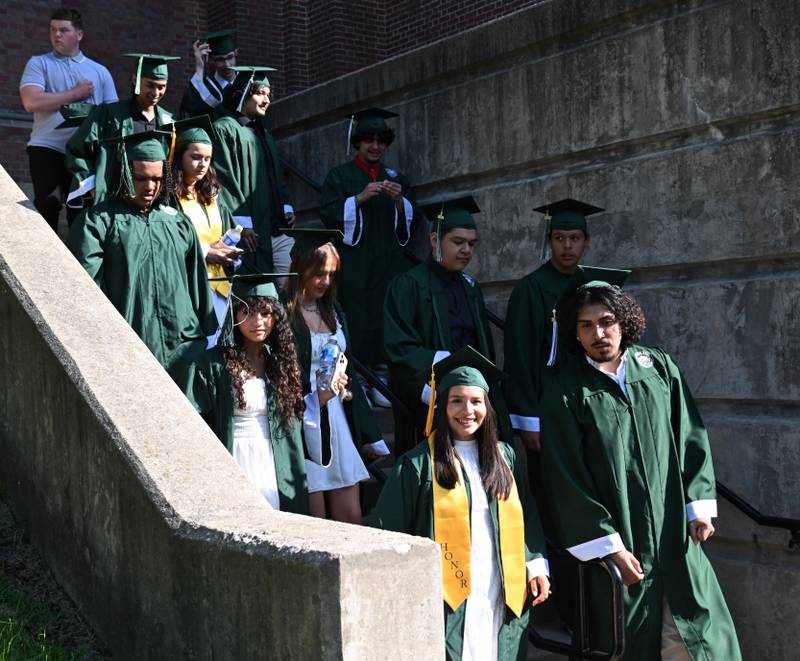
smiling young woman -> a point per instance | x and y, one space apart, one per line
461 490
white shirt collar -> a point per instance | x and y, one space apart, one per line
223 82
619 376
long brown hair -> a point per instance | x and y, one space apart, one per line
495 473
306 265
281 366
206 189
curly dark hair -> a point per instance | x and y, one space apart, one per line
495 473
120 188
385 137
625 309
205 190
281 365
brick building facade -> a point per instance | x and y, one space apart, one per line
308 41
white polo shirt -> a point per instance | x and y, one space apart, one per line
55 73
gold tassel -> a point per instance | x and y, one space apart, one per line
172 145
431 404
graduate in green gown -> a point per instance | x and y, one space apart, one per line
432 310
317 317
90 156
248 169
462 490
248 389
372 204
216 52
528 335
145 255
627 465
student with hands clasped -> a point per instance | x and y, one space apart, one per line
462 490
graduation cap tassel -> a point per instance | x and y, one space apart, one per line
554 342
126 176
431 404
172 145
350 132
545 242
138 86
439 221
245 90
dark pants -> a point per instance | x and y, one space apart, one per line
50 184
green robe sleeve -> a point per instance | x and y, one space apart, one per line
523 362
402 503
225 216
86 242
332 199
585 527
694 450
405 346
283 191
81 149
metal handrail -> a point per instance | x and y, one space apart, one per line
792 525
581 648
374 381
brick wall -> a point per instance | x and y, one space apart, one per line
308 41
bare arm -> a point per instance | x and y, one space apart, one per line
35 99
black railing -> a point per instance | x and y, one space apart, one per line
581 648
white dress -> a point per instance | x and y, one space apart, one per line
346 467
485 604
252 447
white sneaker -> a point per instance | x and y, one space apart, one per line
378 399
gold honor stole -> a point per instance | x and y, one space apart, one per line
451 530
208 225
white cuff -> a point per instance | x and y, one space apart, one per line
85 186
426 389
288 208
408 210
706 509
200 85
312 433
350 216
537 567
597 548
378 447
524 423
205 248
426 395
245 221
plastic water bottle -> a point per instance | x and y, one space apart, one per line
327 363
232 237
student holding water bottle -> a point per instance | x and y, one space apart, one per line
197 191
321 333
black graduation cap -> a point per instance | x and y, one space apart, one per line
568 214
221 42
310 238
371 120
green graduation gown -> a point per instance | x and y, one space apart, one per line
526 341
631 466
207 384
358 412
201 97
406 505
371 251
415 328
247 185
151 268
91 162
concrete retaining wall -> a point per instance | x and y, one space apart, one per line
681 118
143 516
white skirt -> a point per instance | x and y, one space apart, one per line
252 450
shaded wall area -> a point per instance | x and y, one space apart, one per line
681 119
143 516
